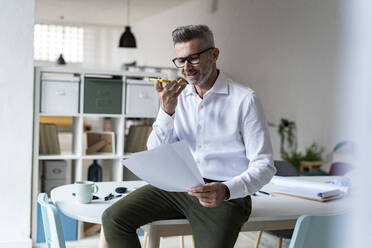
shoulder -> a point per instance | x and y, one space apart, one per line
243 97
240 91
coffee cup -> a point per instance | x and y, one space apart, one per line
85 190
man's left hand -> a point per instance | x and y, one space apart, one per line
210 195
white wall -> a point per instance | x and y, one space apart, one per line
16 110
286 50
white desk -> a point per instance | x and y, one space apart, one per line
268 212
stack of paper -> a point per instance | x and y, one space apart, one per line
311 190
169 167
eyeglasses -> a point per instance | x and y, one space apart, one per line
192 58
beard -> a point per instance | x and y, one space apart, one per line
205 76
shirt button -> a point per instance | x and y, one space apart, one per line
201 106
199 126
197 161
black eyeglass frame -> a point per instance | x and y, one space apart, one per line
188 58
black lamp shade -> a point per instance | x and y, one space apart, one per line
61 60
127 39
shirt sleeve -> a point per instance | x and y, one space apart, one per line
258 148
162 130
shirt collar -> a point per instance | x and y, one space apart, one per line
220 86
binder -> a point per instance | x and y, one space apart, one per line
306 189
49 142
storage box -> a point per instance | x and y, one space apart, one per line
103 95
54 169
60 95
141 99
49 184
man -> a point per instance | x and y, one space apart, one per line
223 124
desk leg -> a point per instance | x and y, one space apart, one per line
154 238
182 242
102 240
145 238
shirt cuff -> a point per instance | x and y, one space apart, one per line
164 120
236 187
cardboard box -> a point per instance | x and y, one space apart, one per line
100 142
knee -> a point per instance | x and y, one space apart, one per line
108 217
112 222
117 218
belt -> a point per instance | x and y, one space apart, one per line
207 180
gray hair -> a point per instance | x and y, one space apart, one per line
190 32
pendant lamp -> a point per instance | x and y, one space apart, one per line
61 59
127 39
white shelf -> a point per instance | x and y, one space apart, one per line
102 115
100 156
138 116
57 115
77 156
126 155
58 157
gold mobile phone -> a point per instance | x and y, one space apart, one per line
165 80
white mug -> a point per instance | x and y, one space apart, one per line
85 190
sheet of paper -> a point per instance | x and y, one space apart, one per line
169 167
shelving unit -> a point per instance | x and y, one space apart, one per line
138 102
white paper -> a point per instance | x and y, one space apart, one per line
317 190
169 167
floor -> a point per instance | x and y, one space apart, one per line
245 240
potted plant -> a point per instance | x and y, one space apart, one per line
288 145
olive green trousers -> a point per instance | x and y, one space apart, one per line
216 227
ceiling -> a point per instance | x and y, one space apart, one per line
109 12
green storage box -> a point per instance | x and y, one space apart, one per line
103 95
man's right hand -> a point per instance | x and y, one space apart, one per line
169 93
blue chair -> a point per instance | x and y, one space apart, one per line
52 224
320 231
284 169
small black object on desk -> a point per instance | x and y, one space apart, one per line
264 192
121 190
94 196
111 196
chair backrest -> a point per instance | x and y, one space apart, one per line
52 224
339 169
320 231
285 169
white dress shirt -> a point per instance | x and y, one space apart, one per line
226 132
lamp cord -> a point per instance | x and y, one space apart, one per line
128 3
63 33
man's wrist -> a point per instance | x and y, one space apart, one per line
168 111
